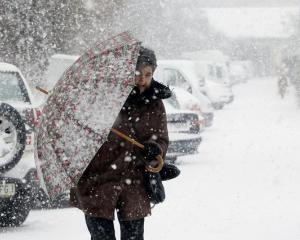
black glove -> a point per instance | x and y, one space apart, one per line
150 151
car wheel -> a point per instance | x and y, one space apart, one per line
218 106
42 201
62 201
12 137
16 211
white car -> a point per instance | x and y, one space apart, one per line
183 128
182 73
212 65
240 71
18 182
184 100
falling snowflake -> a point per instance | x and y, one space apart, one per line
114 166
128 181
127 159
154 137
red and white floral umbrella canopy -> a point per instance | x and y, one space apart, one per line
81 110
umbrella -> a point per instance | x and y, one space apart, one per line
81 110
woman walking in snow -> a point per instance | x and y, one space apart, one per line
114 179
282 85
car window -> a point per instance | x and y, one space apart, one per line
173 101
181 80
170 76
12 87
211 71
174 77
219 72
183 83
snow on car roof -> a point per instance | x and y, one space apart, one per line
64 56
187 68
7 67
19 105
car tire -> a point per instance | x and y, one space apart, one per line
13 127
62 201
218 106
16 211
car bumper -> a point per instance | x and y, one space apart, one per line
183 144
22 190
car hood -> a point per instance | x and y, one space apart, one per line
18 104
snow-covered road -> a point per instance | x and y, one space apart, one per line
243 184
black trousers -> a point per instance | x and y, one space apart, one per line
103 229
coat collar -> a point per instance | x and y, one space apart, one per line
153 93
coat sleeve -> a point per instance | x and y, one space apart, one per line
162 137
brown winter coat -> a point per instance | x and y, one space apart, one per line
114 178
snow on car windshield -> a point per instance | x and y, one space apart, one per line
12 87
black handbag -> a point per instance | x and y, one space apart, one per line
154 187
153 182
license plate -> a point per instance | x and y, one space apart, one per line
176 127
7 189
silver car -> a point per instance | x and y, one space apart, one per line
18 181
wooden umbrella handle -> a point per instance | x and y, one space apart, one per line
159 165
158 157
122 135
42 90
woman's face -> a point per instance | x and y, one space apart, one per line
143 77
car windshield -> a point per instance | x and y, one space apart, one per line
12 87
173 101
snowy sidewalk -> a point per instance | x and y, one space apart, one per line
243 184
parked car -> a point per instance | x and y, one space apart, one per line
213 65
184 128
182 73
184 100
219 91
18 181
240 71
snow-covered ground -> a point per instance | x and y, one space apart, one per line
243 184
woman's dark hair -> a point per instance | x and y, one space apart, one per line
147 58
